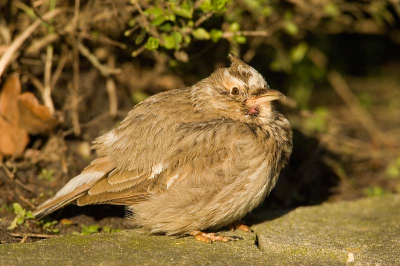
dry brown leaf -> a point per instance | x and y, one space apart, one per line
35 118
8 99
13 139
20 114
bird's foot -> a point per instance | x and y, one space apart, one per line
212 237
239 225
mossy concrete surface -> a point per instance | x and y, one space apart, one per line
364 232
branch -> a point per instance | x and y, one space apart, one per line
104 70
8 54
257 33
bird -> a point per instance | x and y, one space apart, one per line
189 161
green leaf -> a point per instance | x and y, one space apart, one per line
374 191
215 35
106 229
132 22
20 220
267 10
183 11
207 6
213 5
13 224
168 41
17 208
138 96
234 27
165 27
297 54
219 5
318 121
155 11
158 21
29 215
187 39
331 10
201 34
291 28
91 229
240 39
177 36
152 43
140 37
170 17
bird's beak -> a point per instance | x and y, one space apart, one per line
269 96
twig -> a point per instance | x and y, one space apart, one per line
32 235
75 92
24 186
104 39
342 89
37 45
46 96
59 69
142 15
76 14
256 33
27 201
75 69
36 82
6 57
145 21
10 174
203 19
104 70
139 50
23 239
111 90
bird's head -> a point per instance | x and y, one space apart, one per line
240 92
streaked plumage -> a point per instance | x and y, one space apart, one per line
192 159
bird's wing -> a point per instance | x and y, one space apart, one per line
211 149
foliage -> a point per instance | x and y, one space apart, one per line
375 191
317 122
94 228
46 174
393 169
21 216
48 225
281 27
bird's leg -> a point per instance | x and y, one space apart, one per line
212 237
239 225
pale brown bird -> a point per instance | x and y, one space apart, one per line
189 160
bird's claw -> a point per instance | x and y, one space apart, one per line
212 237
240 226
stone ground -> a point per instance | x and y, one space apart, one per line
363 232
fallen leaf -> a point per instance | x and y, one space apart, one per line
8 99
13 139
20 114
35 118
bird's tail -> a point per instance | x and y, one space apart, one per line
76 187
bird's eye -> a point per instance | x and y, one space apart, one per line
235 91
